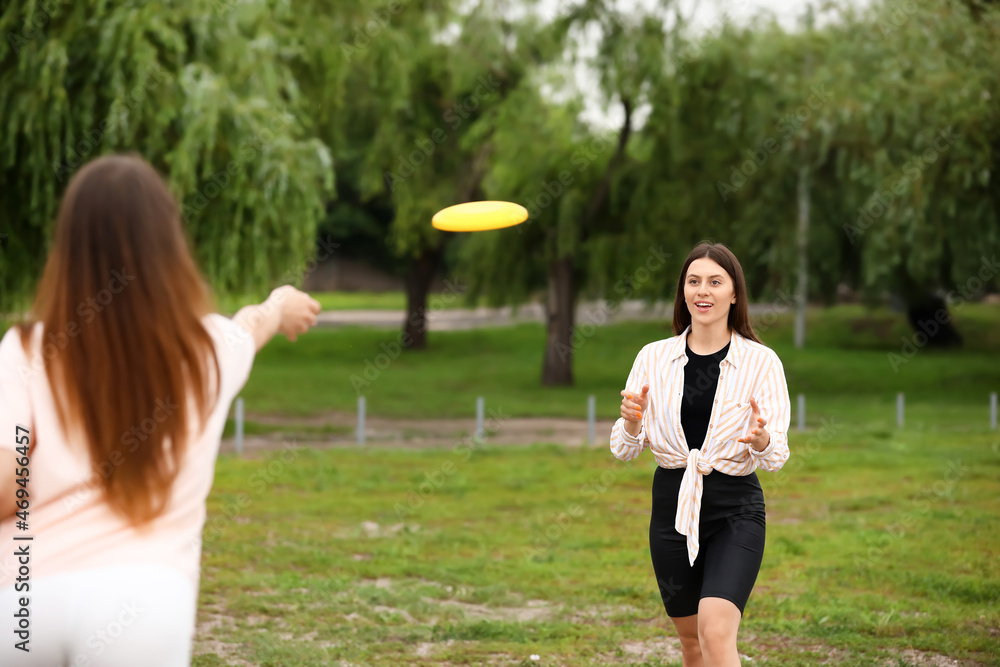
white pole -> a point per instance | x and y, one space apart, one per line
802 242
239 427
802 412
480 411
899 409
591 419
993 410
361 421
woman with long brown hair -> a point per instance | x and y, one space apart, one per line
119 385
712 405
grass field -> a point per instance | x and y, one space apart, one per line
882 543
349 301
881 550
850 355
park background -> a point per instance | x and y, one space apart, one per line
847 153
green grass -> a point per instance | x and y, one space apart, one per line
881 542
877 542
349 301
229 304
847 356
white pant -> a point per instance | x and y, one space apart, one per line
109 617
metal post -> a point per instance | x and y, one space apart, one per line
993 410
361 421
480 412
591 419
802 412
239 427
899 409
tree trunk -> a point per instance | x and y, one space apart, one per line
929 317
418 284
557 368
927 313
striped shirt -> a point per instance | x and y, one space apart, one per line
748 370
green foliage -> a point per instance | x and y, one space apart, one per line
201 89
850 354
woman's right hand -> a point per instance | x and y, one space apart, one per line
298 310
634 404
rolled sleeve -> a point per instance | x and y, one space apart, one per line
625 446
776 409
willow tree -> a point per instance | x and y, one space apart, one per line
565 173
921 184
856 106
203 91
431 144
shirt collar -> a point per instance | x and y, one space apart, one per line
733 357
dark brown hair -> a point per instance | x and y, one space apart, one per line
121 302
739 312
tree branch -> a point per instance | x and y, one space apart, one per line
601 193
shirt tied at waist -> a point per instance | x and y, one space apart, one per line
689 496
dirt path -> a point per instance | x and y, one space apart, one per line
588 312
419 433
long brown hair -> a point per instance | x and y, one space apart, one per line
739 312
120 302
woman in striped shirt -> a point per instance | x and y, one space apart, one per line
712 405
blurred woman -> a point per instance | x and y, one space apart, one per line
712 405
121 380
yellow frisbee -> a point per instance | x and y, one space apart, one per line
479 216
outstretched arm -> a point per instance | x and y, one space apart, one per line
286 310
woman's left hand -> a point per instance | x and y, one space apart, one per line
759 438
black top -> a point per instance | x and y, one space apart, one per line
725 497
701 378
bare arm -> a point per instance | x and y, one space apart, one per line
287 310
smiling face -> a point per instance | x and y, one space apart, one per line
708 284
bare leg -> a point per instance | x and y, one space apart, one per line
717 630
687 630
